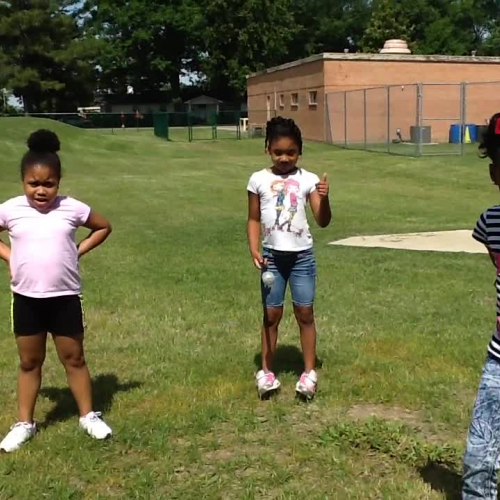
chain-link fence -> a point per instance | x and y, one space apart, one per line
257 120
100 121
173 126
414 120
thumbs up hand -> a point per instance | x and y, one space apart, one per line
322 187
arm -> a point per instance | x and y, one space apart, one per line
100 229
320 203
253 229
491 253
4 249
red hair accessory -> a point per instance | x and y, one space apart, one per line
497 127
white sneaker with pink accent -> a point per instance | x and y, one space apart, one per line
306 386
266 383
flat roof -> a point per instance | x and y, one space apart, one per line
332 56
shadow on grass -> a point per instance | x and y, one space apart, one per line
442 479
104 388
287 359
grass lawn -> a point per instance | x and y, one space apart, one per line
173 313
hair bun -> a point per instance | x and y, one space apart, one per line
44 141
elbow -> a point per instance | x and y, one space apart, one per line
325 222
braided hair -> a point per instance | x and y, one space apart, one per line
282 127
43 146
490 145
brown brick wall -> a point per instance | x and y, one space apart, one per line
442 102
301 80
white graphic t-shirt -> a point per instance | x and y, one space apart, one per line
283 200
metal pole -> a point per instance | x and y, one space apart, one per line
463 115
345 119
420 99
364 118
388 119
328 125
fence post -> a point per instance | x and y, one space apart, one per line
420 99
364 118
328 130
345 120
463 116
388 119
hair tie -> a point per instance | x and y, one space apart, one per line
497 127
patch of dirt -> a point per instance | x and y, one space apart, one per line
366 411
438 241
412 418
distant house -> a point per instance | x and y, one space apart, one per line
203 106
130 103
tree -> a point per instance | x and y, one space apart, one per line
43 58
329 26
148 43
242 36
388 21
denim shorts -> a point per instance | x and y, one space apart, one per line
297 267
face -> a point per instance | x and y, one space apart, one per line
495 174
40 186
284 153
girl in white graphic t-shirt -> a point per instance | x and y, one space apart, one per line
277 200
45 282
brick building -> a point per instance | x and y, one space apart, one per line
299 90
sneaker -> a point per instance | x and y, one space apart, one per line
94 426
19 433
266 382
306 386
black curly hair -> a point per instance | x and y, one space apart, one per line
490 145
282 127
43 147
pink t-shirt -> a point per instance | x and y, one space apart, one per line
44 257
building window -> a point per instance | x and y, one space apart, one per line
282 101
313 98
295 100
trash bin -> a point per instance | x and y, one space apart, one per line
468 134
426 134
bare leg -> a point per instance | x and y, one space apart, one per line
305 318
272 318
31 350
70 352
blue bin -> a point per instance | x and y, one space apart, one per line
457 135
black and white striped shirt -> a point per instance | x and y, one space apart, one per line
487 232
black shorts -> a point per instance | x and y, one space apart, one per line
57 315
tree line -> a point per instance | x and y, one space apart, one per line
55 54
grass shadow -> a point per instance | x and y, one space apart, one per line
104 388
442 479
287 359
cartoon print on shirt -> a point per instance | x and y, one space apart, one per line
279 188
287 202
292 188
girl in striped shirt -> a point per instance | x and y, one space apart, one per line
482 455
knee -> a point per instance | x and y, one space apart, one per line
31 364
73 361
304 315
272 316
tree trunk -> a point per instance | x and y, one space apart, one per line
175 84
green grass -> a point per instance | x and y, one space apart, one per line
173 313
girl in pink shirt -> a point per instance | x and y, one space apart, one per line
45 282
